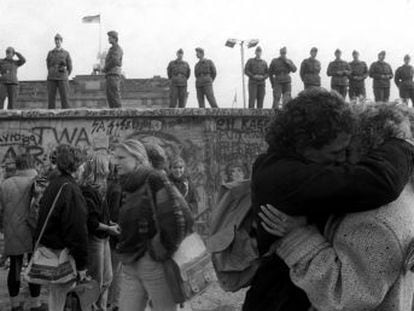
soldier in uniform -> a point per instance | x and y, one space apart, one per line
257 71
8 76
59 65
359 72
178 72
279 75
404 80
381 72
310 70
205 73
339 70
113 71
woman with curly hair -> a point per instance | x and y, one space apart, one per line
361 261
66 227
305 172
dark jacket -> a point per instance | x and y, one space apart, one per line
205 72
178 72
404 77
98 211
339 70
8 69
298 187
256 66
309 72
359 72
113 61
136 217
186 188
59 64
113 198
67 224
381 72
280 69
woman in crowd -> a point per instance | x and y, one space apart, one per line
142 249
94 190
15 196
67 226
183 183
361 261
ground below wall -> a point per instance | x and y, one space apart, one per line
218 145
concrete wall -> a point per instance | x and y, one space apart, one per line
214 143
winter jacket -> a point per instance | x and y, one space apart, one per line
205 72
256 66
359 72
113 61
381 72
15 196
298 187
360 262
8 69
67 226
178 72
309 72
339 70
404 77
280 69
59 64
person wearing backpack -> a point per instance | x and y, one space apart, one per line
15 197
141 248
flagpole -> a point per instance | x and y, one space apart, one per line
100 34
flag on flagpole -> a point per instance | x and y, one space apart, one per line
234 99
92 19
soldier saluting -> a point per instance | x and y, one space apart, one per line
310 70
178 72
381 72
404 80
257 71
279 75
359 72
59 65
205 73
339 70
8 76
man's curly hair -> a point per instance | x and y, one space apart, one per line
68 158
313 119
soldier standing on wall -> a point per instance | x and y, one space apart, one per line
59 65
381 72
404 80
359 72
113 71
8 76
279 75
339 70
310 70
205 73
178 72
257 71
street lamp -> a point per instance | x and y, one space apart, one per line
231 43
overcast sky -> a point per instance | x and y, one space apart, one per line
152 30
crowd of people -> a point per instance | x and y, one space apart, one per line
347 78
94 197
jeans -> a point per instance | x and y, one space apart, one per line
100 267
256 92
113 91
280 89
13 278
57 295
115 289
178 95
9 91
206 91
142 281
63 86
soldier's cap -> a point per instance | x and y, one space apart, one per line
355 52
258 49
201 50
283 49
338 51
10 49
407 56
382 53
58 37
180 51
314 49
113 34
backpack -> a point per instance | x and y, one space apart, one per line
233 249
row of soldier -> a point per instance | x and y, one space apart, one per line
343 75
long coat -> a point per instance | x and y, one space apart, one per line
15 195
